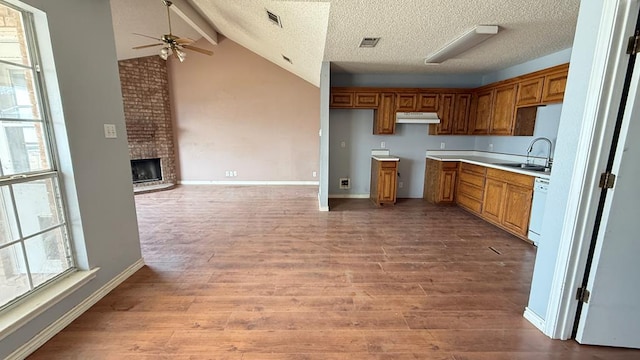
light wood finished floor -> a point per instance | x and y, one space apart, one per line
259 273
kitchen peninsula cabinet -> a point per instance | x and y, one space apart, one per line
384 180
440 181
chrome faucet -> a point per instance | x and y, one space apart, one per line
548 160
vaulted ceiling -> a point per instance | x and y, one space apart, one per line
313 31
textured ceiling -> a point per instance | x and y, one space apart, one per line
331 30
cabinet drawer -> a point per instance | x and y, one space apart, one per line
449 165
470 168
469 203
388 164
471 178
511 177
470 191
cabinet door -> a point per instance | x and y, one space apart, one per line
445 113
366 100
341 99
461 114
406 102
387 185
447 186
554 84
482 112
517 208
427 102
503 110
385 115
492 204
530 92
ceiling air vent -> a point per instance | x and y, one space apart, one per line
287 59
275 19
369 42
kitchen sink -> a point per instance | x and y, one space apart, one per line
530 167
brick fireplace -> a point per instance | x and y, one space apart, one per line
145 93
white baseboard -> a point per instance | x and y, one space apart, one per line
534 318
50 331
248 183
348 196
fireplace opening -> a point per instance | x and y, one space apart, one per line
145 170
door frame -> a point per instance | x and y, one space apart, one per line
606 80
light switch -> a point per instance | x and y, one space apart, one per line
110 131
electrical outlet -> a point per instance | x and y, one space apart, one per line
314 174
490 147
345 183
400 184
382 144
235 173
226 173
442 145
343 144
110 131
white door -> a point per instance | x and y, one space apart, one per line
612 314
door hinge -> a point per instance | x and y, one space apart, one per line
582 295
607 180
633 46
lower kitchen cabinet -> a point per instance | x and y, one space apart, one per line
384 182
470 187
440 181
507 200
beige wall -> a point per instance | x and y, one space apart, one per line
236 111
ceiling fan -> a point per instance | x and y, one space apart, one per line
172 43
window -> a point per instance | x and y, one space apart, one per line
34 240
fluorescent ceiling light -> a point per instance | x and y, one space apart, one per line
463 43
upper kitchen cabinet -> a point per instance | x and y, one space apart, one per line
366 100
554 85
482 112
341 99
543 87
384 119
504 101
428 102
453 111
406 102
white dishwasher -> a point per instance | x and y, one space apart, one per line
540 188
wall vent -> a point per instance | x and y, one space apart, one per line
275 19
287 59
345 183
369 42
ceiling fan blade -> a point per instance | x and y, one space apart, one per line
183 41
197 49
147 36
146 46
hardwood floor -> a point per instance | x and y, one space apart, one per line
259 273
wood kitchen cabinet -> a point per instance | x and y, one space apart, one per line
341 99
384 118
384 182
530 92
470 187
453 111
507 200
406 102
482 112
461 114
440 181
554 85
503 106
366 100
428 102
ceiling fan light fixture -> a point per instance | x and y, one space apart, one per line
180 54
164 53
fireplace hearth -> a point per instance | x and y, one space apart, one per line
146 170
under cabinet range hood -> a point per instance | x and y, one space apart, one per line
417 118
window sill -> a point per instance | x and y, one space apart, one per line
34 305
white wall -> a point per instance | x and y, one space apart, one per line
96 171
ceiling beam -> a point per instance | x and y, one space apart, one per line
192 17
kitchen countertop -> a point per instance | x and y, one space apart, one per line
489 160
385 157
